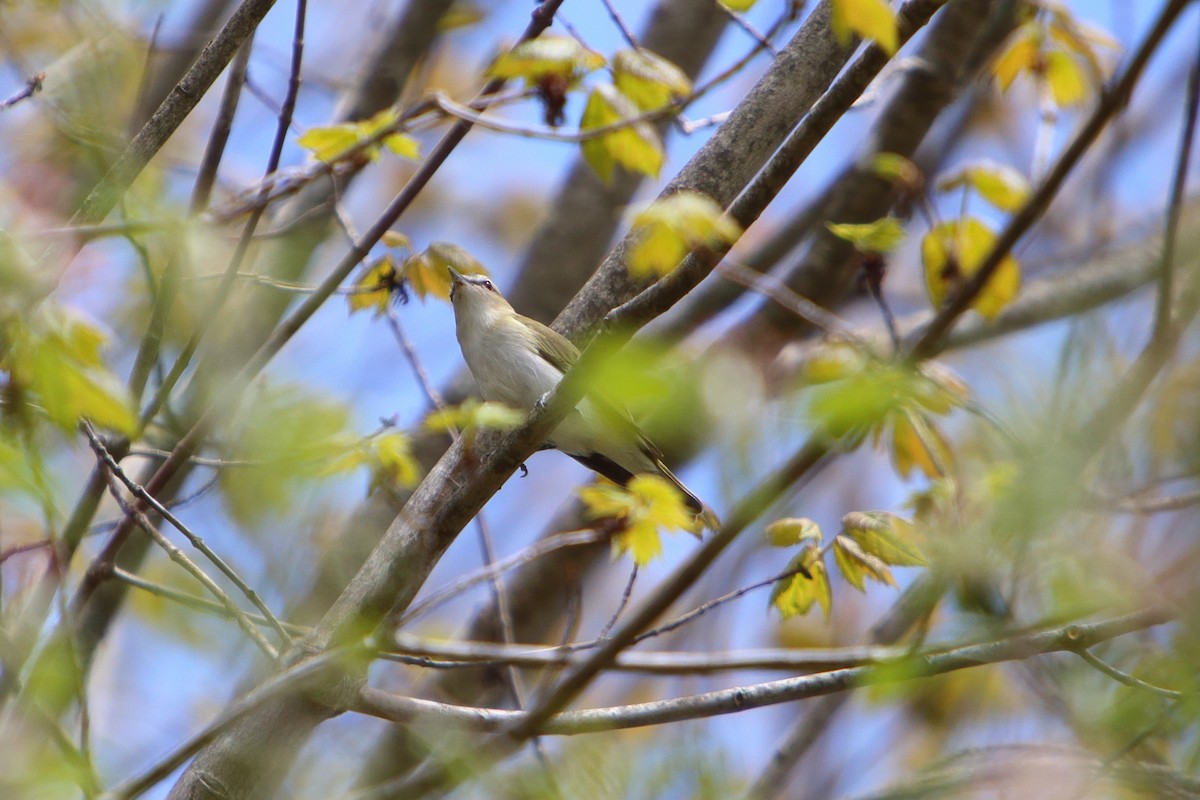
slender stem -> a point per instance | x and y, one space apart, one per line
141 494
1111 102
1162 308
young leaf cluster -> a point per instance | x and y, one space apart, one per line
851 394
391 276
670 228
868 546
646 506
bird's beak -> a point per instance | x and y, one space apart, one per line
456 277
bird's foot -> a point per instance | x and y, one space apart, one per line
524 469
541 403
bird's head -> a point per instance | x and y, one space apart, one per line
474 294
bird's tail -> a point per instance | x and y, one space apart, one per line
705 516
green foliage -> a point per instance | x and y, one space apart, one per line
547 55
870 19
953 251
287 439
668 229
648 79
368 138
881 236
795 595
634 145
885 536
54 364
897 169
1057 52
648 505
472 416
793 531
857 566
427 271
870 543
1002 186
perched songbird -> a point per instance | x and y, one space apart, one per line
516 360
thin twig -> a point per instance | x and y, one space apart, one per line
459 654
175 554
196 602
625 595
210 163
763 41
1124 677
742 698
141 494
620 23
1162 307
225 287
1111 102
32 87
531 553
414 361
776 289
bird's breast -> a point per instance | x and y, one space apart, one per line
506 365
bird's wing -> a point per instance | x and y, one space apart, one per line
553 346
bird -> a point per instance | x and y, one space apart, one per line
516 361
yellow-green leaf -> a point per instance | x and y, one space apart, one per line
792 531
635 146
670 228
544 56
403 145
396 240
648 79
857 566
395 461
374 288
426 272
832 361
474 415
290 437
917 443
1065 77
496 416
738 5
880 236
952 251
646 506
896 169
1023 55
55 358
885 536
870 19
1001 185
795 595
328 142
332 142
1080 40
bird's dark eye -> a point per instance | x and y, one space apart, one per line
488 285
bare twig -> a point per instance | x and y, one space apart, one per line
144 496
1162 307
534 551
188 565
1111 102
206 177
32 87
625 594
1124 677
620 23
729 701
